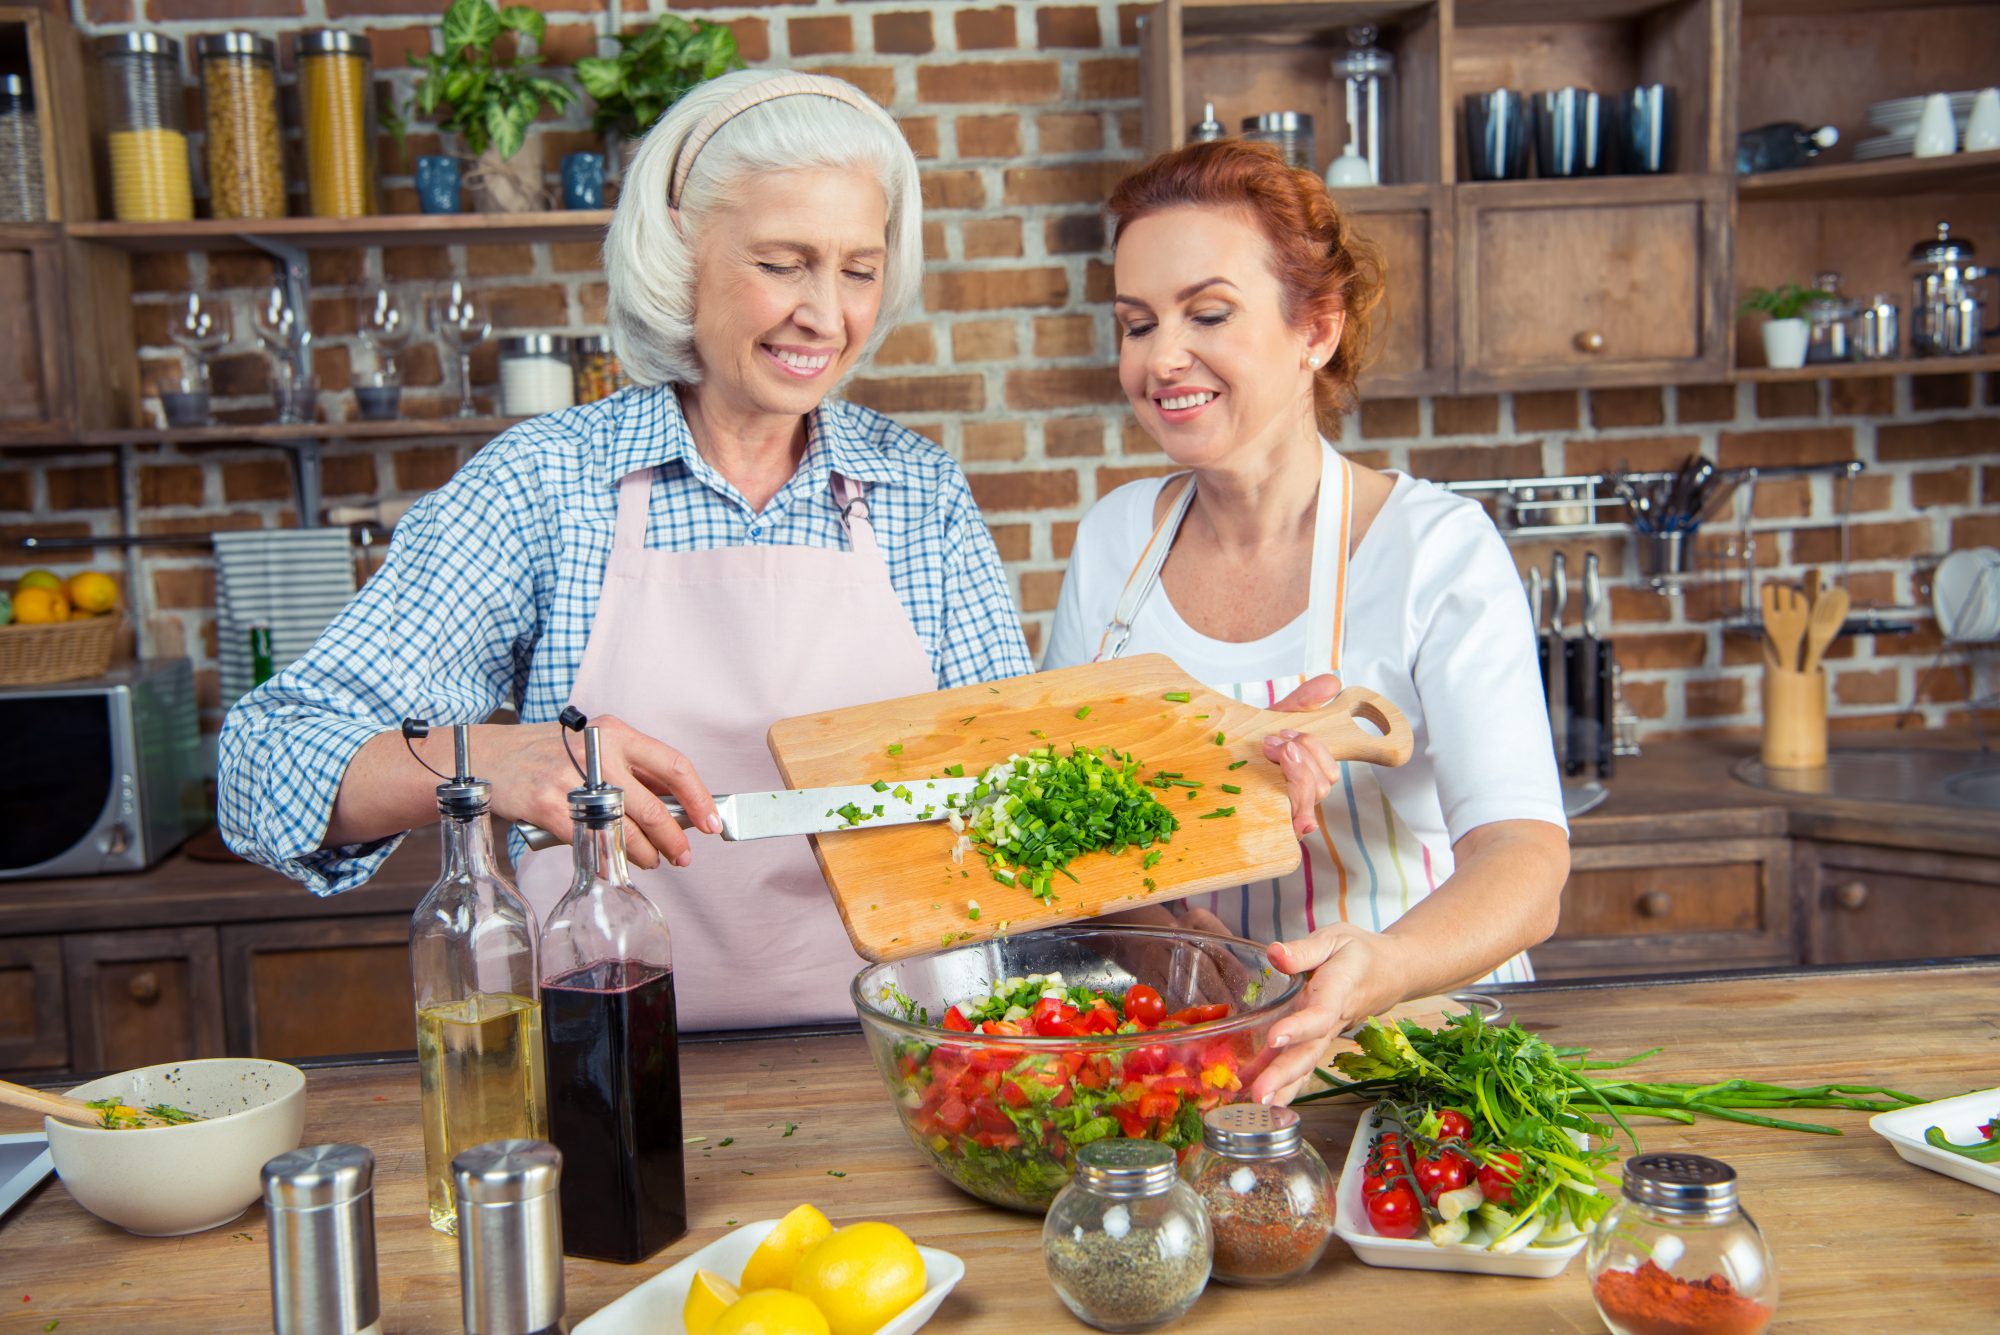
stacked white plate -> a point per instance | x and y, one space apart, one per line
1965 594
1898 119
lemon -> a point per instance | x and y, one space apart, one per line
770 1312
861 1276
39 579
40 606
707 1297
93 592
771 1265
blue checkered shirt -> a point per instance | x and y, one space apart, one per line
490 587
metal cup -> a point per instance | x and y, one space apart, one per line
1876 335
1496 135
1572 135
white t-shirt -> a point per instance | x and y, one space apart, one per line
1435 620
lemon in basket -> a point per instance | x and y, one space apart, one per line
861 1276
39 606
771 1265
39 579
770 1312
708 1297
93 592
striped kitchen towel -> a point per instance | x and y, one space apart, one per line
293 580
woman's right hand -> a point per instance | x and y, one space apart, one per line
534 777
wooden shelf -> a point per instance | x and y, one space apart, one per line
268 433
1850 370
1903 176
395 229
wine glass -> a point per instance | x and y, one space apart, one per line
463 323
200 328
385 327
284 334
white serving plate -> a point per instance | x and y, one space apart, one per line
654 1307
1350 1221
1960 576
1961 1119
1899 115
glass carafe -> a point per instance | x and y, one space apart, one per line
613 1044
1829 321
479 1010
1367 74
1947 317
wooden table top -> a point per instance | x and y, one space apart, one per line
1864 1241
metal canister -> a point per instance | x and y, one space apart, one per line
1291 132
510 1237
1878 335
320 1205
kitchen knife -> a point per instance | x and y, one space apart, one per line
811 810
1558 665
1586 722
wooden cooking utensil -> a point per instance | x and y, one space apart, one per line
1785 618
898 890
72 1110
1828 614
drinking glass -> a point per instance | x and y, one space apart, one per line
200 329
385 327
283 332
463 323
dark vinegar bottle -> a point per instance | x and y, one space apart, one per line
613 1049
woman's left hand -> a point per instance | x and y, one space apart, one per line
1353 977
1310 769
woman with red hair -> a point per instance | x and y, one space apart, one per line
1276 570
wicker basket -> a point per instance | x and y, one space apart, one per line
61 651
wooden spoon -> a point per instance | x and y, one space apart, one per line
1785 618
1767 596
76 1110
1828 615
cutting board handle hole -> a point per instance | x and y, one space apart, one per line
1371 720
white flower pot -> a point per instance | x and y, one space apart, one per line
1785 344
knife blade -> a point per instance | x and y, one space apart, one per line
1558 663
1586 720
793 811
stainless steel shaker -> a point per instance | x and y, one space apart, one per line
1947 318
1876 335
510 1249
320 1203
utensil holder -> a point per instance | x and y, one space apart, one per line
1794 718
1669 553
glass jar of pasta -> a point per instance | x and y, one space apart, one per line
21 194
598 374
339 117
239 93
147 139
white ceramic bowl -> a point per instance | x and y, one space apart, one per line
164 1181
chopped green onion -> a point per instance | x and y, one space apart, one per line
880 786
1219 811
956 771
1151 884
1178 697
896 749
1151 860
1218 739
900 792
1084 712
1231 788
1239 764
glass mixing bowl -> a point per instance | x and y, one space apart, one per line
999 1114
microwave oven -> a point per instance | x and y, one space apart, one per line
103 775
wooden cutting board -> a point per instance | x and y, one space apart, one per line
897 888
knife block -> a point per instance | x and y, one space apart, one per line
1794 718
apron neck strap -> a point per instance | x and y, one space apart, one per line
635 498
1146 573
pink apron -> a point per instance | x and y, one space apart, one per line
705 650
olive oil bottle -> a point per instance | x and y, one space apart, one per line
473 958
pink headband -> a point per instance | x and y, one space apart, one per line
766 90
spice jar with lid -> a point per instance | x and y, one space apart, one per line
239 93
339 115
598 374
1679 1254
535 375
1267 1192
1291 132
21 194
1126 1243
147 138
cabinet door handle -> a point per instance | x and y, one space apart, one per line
1589 341
1851 894
145 987
1656 904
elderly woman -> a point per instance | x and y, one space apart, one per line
687 561
1275 569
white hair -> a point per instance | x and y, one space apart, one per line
649 257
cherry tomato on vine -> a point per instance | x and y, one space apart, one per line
1145 1006
1441 1173
1497 1179
1374 1184
1393 1213
1453 1125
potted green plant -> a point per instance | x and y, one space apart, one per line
651 71
490 99
1785 332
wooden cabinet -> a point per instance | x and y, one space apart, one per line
1667 907
34 372
136 998
313 989
34 1029
1592 283
1864 904
1412 227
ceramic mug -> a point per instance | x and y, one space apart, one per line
583 180
438 184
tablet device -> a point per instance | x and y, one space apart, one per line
24 1165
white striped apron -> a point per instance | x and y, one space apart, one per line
1364 864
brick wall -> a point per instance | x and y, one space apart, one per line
1023 115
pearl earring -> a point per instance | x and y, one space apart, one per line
1313 362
